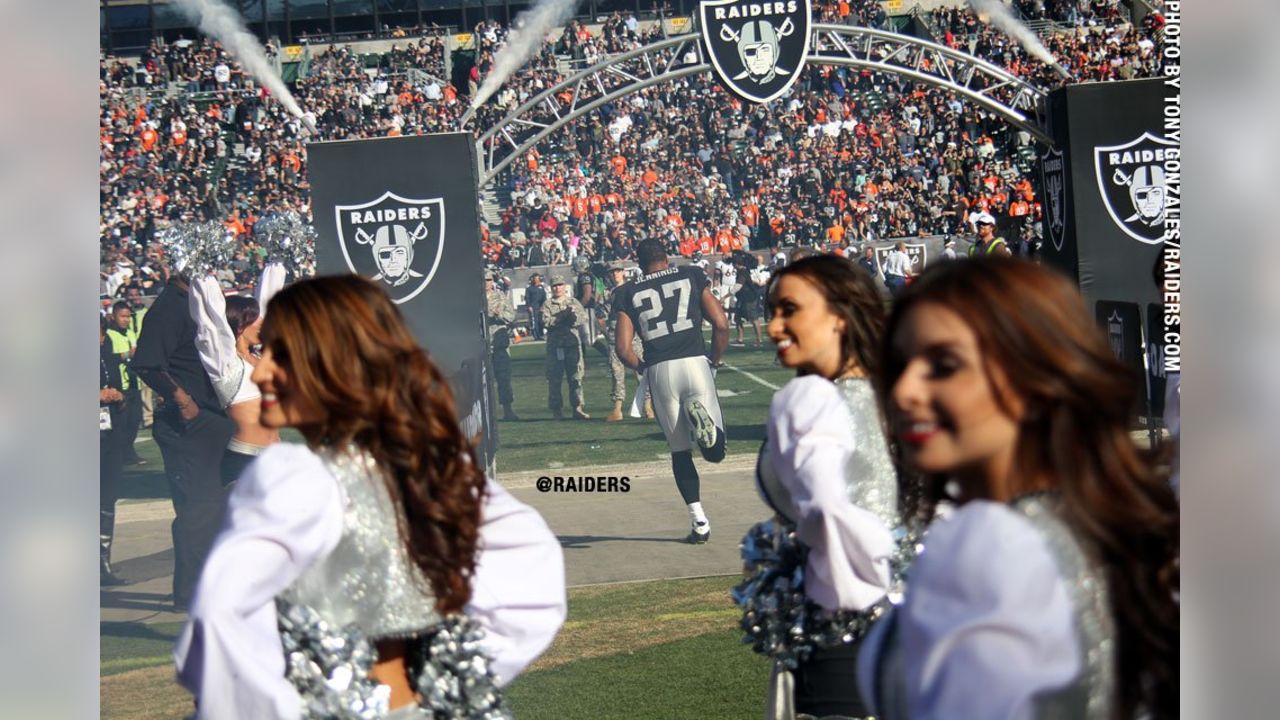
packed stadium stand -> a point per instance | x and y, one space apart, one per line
846 158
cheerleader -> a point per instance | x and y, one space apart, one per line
373 572
826 471
227 331
1051 590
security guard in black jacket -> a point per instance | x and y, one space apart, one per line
112 435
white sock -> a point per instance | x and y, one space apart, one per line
696 513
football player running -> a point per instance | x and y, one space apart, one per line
666 306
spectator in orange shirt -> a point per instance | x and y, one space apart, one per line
724 240
234 224
578 205
149 137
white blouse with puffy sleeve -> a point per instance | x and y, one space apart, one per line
810 442
986 625
286 514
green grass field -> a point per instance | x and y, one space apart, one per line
662 650
536 441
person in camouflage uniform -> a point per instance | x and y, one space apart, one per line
617 371
561 316
501 315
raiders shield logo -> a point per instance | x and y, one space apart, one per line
1131 181
757 48
1115 334
394 241
1053 175
916 252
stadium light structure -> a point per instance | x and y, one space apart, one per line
989 86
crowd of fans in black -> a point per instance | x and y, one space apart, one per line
846 158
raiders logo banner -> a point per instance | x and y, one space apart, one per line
1122 323
756 48
918 253
404 212
1131 182
1102 190
393 240
1053 176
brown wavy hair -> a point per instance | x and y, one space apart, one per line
850 294
1031 323
347 348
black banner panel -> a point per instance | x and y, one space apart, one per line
1122 322
1106 196
1104 186
404 212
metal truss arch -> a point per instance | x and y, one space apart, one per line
973 79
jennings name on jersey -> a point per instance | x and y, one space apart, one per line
665 308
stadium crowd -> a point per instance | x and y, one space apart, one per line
846 158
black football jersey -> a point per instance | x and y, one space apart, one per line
665 308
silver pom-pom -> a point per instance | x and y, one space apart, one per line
198 248
779 619
288 240
329 666
453 674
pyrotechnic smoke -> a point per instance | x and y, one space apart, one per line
221 22
531 27
995 12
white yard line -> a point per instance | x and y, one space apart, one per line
753 376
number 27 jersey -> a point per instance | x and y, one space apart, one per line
665 308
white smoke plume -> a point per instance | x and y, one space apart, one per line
995 12
223 23
530 29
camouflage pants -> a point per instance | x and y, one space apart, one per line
618 371
564 359
502 373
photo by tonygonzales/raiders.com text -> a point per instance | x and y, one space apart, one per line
756 48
